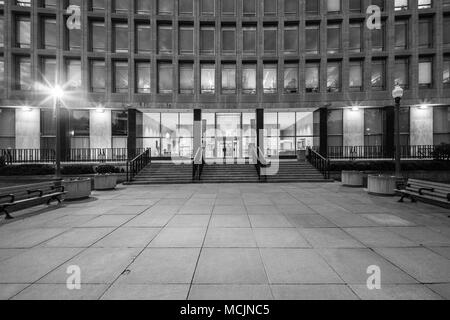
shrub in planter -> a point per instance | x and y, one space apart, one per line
106 178
77 170
442 152
27 170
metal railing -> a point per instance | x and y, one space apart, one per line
14 156
198 163
319 162
137 164
380 152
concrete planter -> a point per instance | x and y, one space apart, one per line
105 182
381 185
352 179
77 189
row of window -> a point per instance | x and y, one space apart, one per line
228 75
230 7
228 37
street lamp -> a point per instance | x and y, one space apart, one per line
397 94
58 94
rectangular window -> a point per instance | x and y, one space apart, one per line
143 38
425 73
207 7
2 30
186 7
165 78
334 6
333 38
98 76
121 6
425 4
73 39
207 40
249 7
270 7
401 72
119 123
334 77
23 73
355 76
378 74
446 72
187 78
335 128
441 125
228 7
355 37
291 78
73 74
249 40
373 127
48 72
379 38
120 77
2 72
165 7
143 82
312 7
98 5
401 5
121 37
228 40
228 78
79 123
208 78
270 78
7 128
312 35
290 6
401 34
249 78
49 33
143 6
446 34
98 36
165 39
355 5
312 82
23 32
290 39
425 33
186 40
270 40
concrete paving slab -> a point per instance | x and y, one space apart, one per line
147 292
330 238
388 220
230 292
230 221
106 221
313 292
230 238
396 292
189 221
179 238
269 221
279 238
229 210
379 238
310 221
128 238
78 238
61 292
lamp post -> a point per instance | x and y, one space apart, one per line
58 94
397 94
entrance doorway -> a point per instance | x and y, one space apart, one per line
229 139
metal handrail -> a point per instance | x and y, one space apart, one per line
381 152
137 164
319 162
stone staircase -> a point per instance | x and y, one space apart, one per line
169 173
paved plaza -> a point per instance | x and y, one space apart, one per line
230 241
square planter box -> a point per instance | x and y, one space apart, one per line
77 189
105 182
381 185
352 179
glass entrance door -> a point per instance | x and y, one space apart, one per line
228 138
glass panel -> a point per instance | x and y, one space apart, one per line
291 78
208 83
270 78
249 79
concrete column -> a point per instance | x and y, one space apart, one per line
197 135
389 132
259 129
421 127
100 129
28 128
132 133
322 114
353 133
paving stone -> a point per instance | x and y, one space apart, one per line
230 221
189 221
61 292
443 289
230 292
396 292
179 237
262 210
229 210
7 291
313 292
388 220
269 221
379 238
230 238
310 221
297 266
78 238
423 236
106 221
279 238
147 292
129 238
329 238
230 266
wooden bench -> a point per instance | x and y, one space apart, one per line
27 196
426 191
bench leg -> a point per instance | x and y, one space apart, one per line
7 215
413 200
402 198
